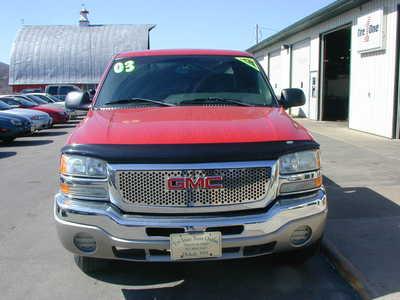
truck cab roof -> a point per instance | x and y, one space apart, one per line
171 52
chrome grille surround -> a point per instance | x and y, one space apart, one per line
142 187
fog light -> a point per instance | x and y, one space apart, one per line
85 242
301 235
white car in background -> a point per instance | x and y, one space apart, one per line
40 120
56 101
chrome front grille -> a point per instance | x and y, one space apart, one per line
149 188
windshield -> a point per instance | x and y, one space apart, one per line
45 98
20 101
36 99
4 106
186 80
54 99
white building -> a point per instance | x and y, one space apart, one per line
345 57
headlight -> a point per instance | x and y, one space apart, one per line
35 118
299 162
83 178
82 166
16 122
300 172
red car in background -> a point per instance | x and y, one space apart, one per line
58 115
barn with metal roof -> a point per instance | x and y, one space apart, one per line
70 54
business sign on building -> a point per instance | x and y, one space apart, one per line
370 30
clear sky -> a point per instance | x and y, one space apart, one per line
180 24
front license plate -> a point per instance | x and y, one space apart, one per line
195 245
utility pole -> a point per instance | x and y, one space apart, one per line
259 33
257 30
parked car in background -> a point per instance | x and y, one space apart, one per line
58 115
48 98
55 101
40 101
40 120
12 126
25 91
61 91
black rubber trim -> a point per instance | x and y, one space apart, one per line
259 249
138 254
189 153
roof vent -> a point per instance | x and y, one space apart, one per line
83 19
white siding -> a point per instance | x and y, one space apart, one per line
372 76
263 60
301 74
275 71
314 67
373 79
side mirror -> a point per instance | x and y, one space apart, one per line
292 98
78 101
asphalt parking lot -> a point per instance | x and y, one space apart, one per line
33 264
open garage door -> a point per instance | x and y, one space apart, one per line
336 75
275 71
300 75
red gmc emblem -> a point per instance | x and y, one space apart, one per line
187 183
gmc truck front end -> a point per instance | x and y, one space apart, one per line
143 212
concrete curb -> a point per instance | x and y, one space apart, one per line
346 269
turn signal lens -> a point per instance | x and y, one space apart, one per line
63 164
64 188
318 181
84 188
300 185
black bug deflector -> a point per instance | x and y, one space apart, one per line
189 153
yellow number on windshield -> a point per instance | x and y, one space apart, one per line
128 66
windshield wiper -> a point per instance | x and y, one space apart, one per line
132 100
213 100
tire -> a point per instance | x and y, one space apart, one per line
8 140
90 265
302 255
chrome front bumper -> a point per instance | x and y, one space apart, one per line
41 124
117 233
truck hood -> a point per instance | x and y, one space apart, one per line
187 125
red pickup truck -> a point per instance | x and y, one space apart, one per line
188 155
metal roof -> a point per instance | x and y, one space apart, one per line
71 54
330 11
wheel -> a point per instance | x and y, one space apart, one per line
8 140
90 264
302 255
